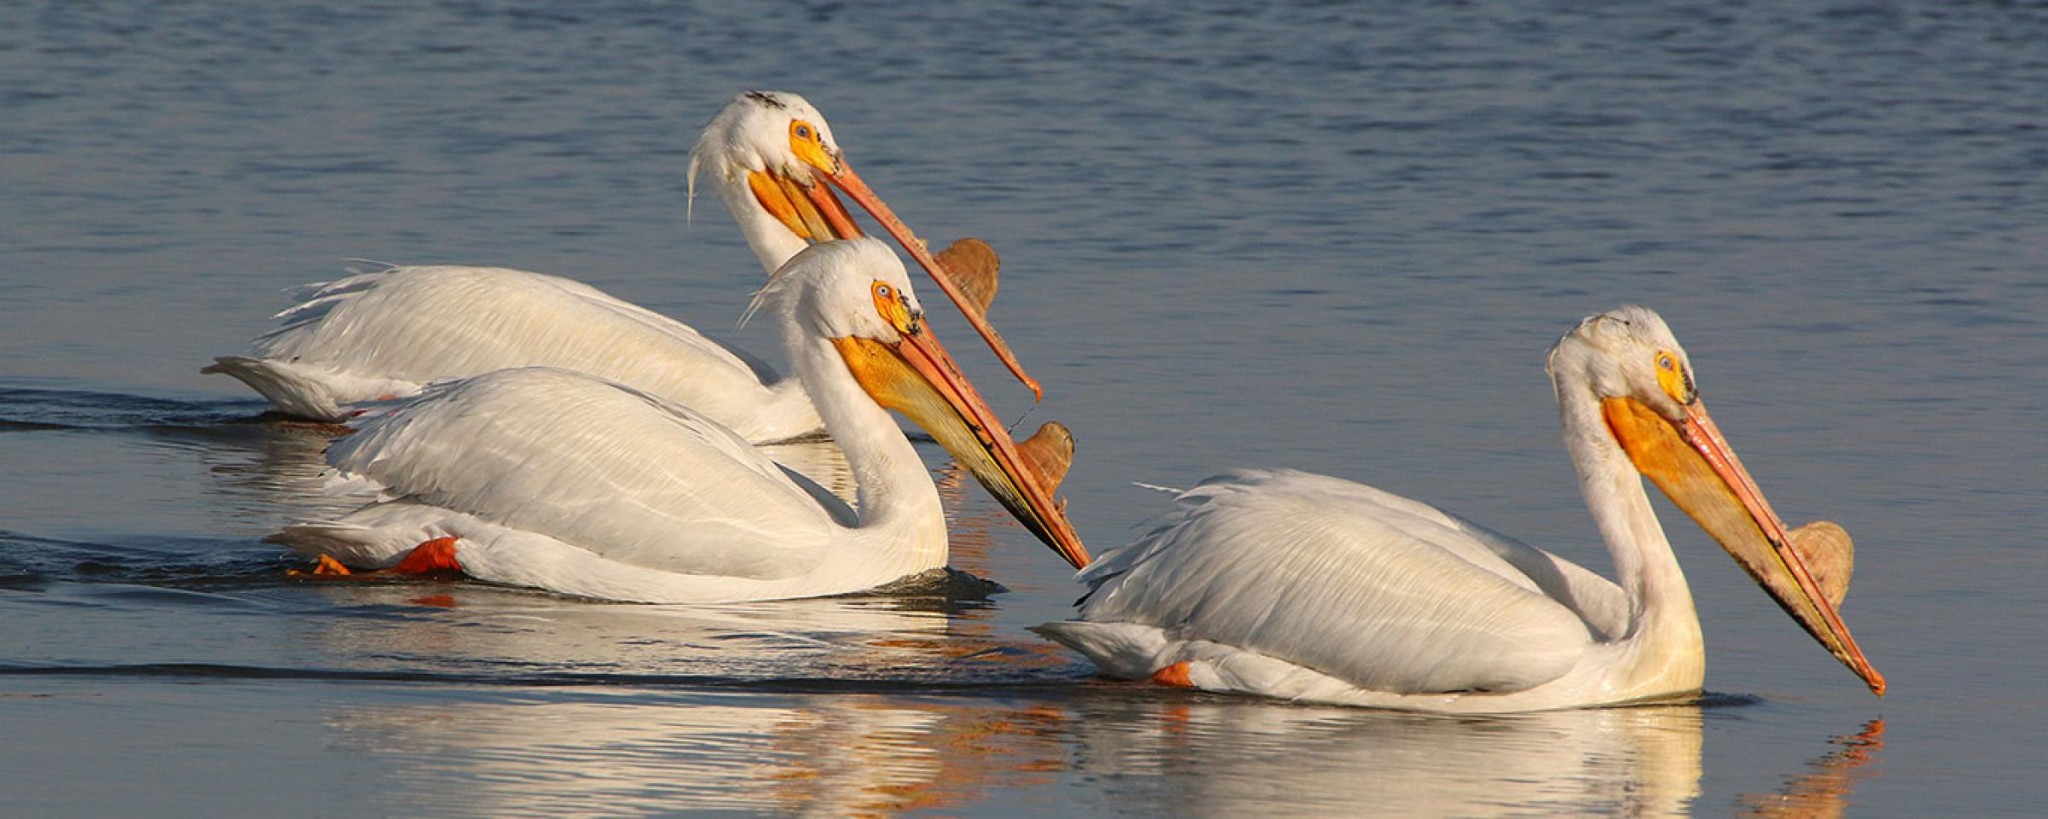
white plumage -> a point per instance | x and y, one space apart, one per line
386 334
770 157
559 480
1301 586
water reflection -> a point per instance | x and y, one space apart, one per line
273 472
931 632
1231 758
808 706
1823 790
871 753
826 755
821 461
970 528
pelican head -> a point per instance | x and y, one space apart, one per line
772 158
1628 362
857 294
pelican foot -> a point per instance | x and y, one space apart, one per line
431 560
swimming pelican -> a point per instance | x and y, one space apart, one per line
1301 586
770 156
555 479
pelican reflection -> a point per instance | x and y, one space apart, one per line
598 752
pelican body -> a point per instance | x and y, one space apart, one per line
558 480
1301 586
771 158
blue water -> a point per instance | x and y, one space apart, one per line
1337 237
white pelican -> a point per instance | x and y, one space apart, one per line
770 156
1307 587
557 480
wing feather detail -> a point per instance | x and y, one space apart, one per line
425 324
1384 592
627 476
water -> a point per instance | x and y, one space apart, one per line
1335 237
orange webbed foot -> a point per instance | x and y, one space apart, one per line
431 560
325 568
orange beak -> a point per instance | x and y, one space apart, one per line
813 212
917 377
1694 466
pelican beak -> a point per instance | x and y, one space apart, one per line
809 210
812 211
1694 466
917 377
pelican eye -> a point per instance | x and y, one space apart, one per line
809 146
1675 379
894 307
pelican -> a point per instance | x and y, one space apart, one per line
771 158
557 480
1301 586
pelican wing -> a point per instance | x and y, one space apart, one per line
1379 590
423 324
626 476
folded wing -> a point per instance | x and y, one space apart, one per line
624 475
1379 590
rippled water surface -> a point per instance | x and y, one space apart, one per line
1337 237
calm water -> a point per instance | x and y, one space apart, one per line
1333 237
